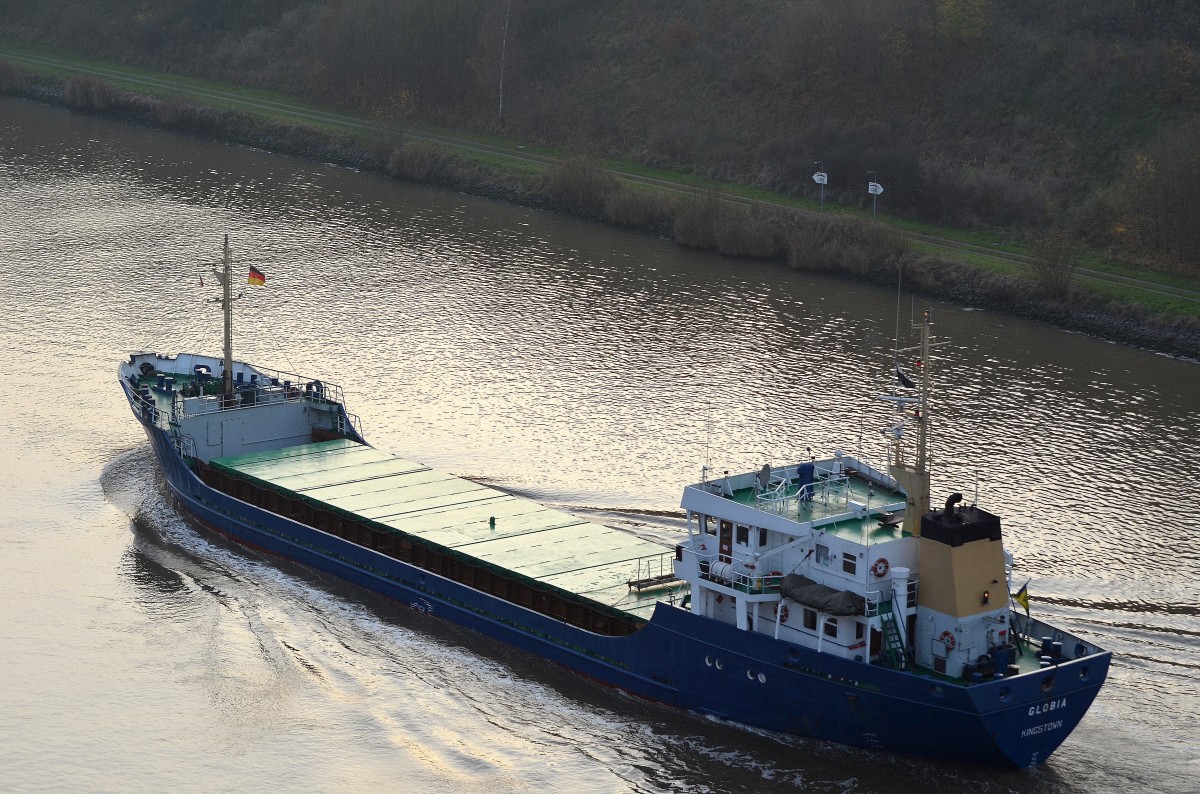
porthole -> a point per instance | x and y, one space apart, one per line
708 660
720 664
762 678
1005 694
1048 684
750 674
1083 673
936 690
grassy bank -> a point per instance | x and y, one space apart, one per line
737 222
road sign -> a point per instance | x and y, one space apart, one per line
874 188
821 178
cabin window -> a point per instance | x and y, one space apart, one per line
762 537
810 619
822 555
860 630
830 627
743 535
849 562
708 525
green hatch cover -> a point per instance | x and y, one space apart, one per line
580 557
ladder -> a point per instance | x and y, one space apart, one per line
894 651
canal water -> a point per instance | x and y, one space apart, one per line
583 367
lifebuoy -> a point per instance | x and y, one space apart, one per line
881 567
948 640
783 614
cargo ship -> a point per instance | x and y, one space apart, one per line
822 597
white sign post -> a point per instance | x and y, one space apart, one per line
822 179
874 188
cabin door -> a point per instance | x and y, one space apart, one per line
231 437
726 551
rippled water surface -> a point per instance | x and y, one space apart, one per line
580 366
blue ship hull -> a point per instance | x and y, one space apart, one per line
697 663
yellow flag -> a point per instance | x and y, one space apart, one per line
1022 598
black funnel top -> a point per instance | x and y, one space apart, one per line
956 526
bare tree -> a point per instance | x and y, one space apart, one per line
1055 256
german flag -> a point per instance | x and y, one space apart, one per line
256 277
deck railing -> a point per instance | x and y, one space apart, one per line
253 397
783 496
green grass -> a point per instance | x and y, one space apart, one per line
1165 305
497 162
982 261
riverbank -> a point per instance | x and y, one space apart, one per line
836 243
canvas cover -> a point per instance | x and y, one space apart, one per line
805 591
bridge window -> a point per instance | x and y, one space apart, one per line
822 555
849 562
830 627
743 535
810 619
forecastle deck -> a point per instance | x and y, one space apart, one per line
512 548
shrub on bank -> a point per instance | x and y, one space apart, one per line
755 231
415 161
695 222
1054 257
578 186
12 79
640 209
843 243
88 93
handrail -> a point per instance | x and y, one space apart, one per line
146 404
184 365
250 397
778 496
654 571
185 445
875 598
